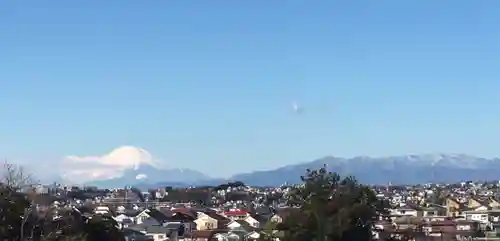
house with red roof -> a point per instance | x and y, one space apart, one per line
236 214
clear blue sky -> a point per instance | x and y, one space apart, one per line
208 85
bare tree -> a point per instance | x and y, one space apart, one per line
16 176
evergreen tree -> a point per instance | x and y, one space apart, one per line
331 209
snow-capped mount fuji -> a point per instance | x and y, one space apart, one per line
145 174
125 165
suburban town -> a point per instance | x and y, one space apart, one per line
466 210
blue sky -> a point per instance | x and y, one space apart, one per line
208 85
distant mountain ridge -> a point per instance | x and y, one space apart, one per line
407 169
146 175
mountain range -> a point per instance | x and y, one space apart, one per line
408 169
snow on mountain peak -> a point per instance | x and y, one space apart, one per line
141 176
433 159
108 166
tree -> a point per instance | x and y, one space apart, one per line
13 206
269 232
331 209
20 220
138 193
230 185
74 226
438 196
101 227
15 176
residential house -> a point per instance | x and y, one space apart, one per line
177 222
184 218
200 235
227 237
221 220
151 221
243 232
241 226
252 221
481 216
176 230
263 215
467 225
124 220
101 210
237 224
161 217
207 235
281 214
438 228
140 217
404 211
453 206
253 235
405 222
156 232
120 217
134 235
236 214
494 203
205 222
477 204
432 211
494 216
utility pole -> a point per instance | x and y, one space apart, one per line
27 212
25 217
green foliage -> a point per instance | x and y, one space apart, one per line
331 209
20 221
230 184
74 226
270 232
13 208
270 226
102 228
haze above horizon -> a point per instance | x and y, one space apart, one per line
211 86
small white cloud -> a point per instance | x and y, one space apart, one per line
88 168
